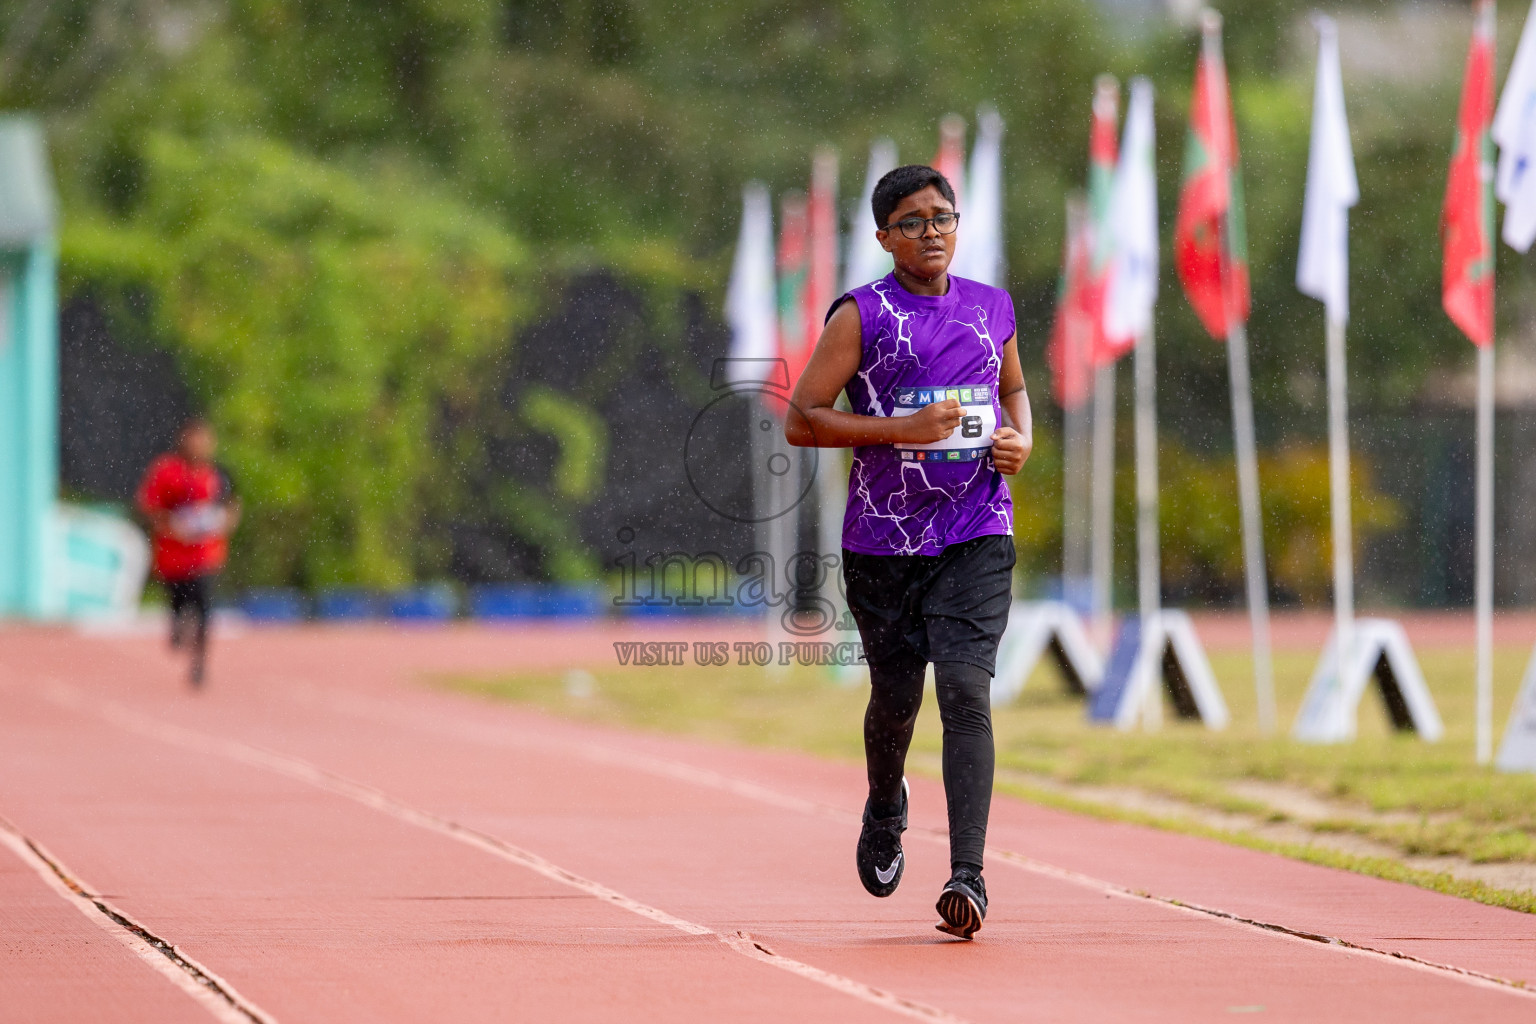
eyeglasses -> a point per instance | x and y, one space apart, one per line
917 227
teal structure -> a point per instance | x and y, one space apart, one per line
29 367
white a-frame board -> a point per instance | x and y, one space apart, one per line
1169 655
1037 629
1381 652
1518 751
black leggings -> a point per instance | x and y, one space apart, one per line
965 708
189 608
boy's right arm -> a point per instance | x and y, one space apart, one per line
812 422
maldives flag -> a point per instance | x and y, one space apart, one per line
821 257
793 265
1466 225
1070 350
1103 152
950 159
1210 247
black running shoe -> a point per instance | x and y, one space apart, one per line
963 904
879 855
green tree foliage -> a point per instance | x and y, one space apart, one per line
327 320
338 216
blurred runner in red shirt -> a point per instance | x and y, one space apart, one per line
192 510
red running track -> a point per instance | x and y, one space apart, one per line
320 838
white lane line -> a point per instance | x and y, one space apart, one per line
368 796
683 772
207 989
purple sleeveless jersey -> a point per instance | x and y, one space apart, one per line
920 349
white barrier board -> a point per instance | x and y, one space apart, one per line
1037 629
1169 655
96 565
1518 751
1381 652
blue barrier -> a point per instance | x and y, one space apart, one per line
694 611
436 603
535 601
347 604
273 604
424 604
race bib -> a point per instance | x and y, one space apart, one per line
969 441
200 521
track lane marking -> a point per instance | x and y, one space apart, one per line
683 772
207 989
375 799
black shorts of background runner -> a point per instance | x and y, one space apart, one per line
948 609
190 607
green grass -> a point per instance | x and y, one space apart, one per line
1412 796
1379 867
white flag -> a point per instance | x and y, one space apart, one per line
1514 130
979 252
751 306
1132 290
1323 268
867 261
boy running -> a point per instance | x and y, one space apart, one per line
931 367
192 510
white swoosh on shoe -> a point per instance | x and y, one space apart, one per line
890 872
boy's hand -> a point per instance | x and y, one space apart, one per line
932 422
1008 451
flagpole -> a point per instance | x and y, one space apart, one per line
1148 570
1467 293
764 493
751 306
1338 468
1253 537
830 499
1129 305
1102 160
1484 541
1074 542
1242 411
831 505
776 539
1102 548
1322 271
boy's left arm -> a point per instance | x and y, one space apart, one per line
1012 441
231 501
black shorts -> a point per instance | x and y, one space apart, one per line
946 607
193 591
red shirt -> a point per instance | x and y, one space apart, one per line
194 494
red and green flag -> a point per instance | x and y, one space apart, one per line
793 266
821 254
1466 224
1103 152
1210 245
950 159
1070 350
